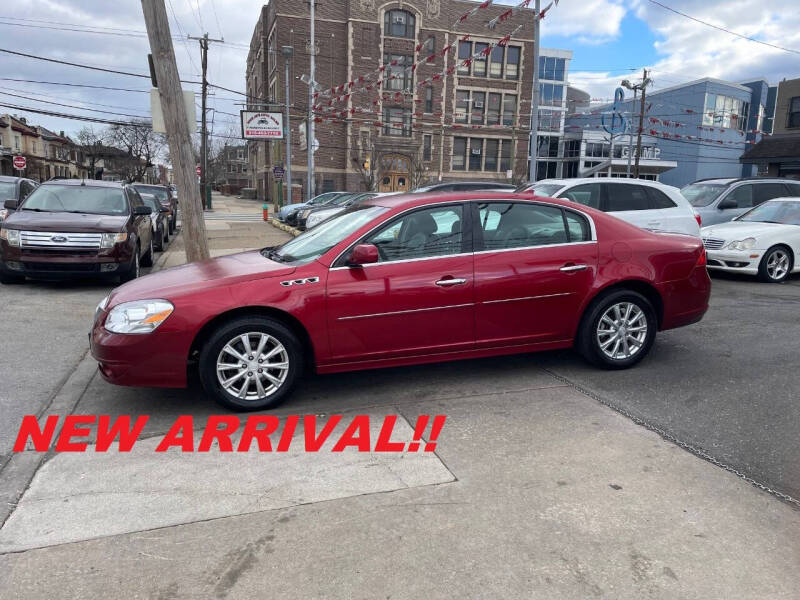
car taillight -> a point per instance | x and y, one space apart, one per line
699 219
701 261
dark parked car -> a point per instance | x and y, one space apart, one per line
76 227
290 209
159 221
465 186
165 196
340 201
14 188
402 280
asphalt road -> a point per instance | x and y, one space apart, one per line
726 385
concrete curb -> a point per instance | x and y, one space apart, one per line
283 227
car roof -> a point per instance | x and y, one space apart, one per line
611 180
85 182
10 178
409 200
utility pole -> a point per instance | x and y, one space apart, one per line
532 149
311 87
645 81
630 134
203 127
287 52
178 135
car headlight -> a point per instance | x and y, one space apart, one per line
109 239
304 214
3 214
745 244
139 316
11 236
101 306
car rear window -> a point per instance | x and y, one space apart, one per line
77 199
659 199
159 192
626 197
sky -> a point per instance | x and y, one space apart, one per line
611 40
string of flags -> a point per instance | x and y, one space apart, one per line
677 136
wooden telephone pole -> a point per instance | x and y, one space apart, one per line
645 82
178 135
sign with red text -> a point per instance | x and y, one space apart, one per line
262 125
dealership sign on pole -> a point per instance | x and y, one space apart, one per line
258 125
20 163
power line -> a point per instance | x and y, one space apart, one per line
73 106
717 27
72 116
78 85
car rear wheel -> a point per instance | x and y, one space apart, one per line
147 259
250 363
776 265
159 235
618 330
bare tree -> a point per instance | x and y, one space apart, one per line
417 174
141 144
366 163
91 141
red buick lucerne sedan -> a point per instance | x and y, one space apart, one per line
401 280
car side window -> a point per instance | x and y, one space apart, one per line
626 196
577 227
521 225
588 194
743 195
420 234
794 189
767 191
659 199
134 198
25 189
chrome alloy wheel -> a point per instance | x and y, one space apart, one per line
778 264
252 366
622 330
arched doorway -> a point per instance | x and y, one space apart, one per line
394 173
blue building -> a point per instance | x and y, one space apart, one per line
691 131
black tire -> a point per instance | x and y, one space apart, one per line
147 259
8 279
132 272
229 332
173 224
765 270
588 342
166 234
158 246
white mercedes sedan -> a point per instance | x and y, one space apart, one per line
764 241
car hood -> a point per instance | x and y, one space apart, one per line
743 229
214 272
65 222
291 207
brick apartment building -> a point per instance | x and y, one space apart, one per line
472 123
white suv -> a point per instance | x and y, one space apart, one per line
646 204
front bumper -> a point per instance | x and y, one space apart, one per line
62 265
735 261
156 359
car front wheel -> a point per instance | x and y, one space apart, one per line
251 363
133 271
776 265
618 330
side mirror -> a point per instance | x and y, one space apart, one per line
11 204
364 254
727 203
163 209
142 210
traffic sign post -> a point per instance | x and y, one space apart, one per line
277 173
20 163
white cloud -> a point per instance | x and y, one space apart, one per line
594 21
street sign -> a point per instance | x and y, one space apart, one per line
199 171
20 163
262 125
278 172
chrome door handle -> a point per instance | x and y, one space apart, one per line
570 268
449 282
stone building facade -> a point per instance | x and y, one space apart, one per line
472 123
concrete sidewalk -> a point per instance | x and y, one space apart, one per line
535 491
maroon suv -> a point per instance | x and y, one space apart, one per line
68 228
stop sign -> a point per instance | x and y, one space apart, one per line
198 170
20 162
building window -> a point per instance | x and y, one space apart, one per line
459 153
492 150
399 23
496 65
570 169
572 148
478 107
512 62
429 48
549 120
725 111
462 106
475 154
479 64
551 94
396 76
464 52
428 99
426 147
397 122
547 146
794 113
597 149
493 109
509 108
551 68
505 155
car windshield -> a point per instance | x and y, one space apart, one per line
159 192
774 211
77 199
8 190
339 200
703 194
324 198
547 189
150 200
315 242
